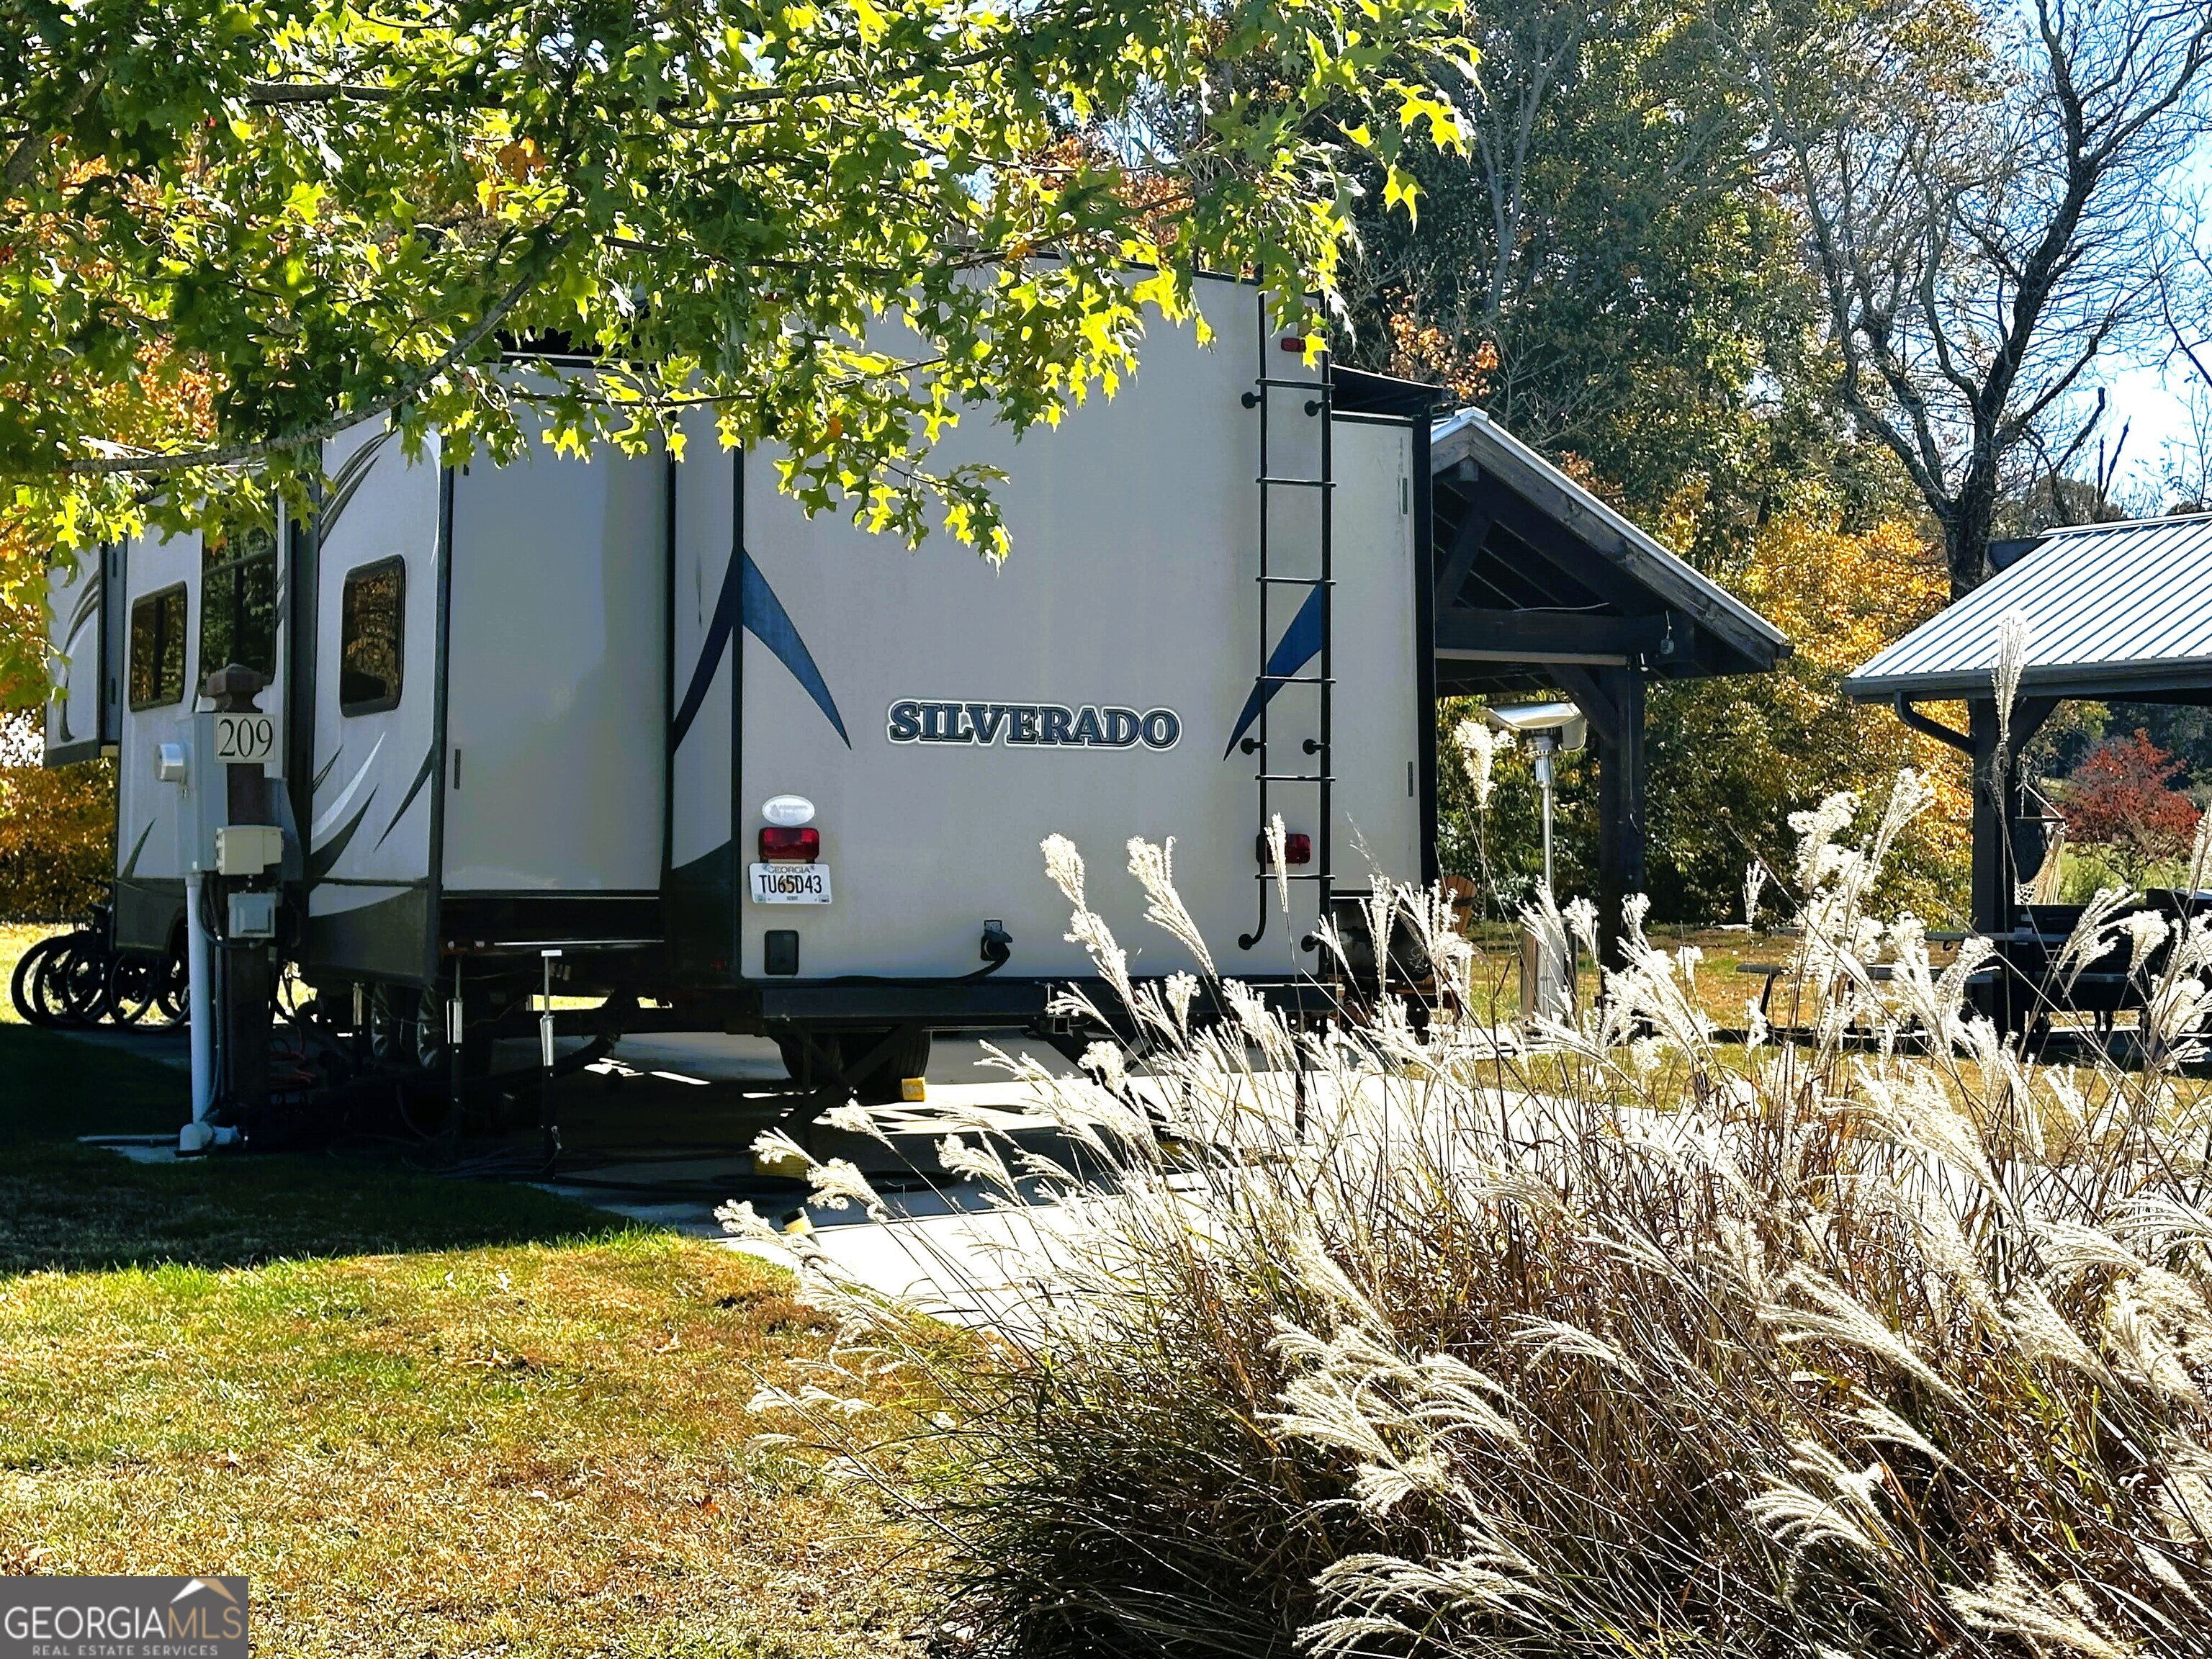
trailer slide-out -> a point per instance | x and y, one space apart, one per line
777 775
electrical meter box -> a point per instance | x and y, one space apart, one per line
253 916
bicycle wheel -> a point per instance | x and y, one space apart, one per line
50 980
78 977
23 984
132 984
172 991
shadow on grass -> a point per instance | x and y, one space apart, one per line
70 1207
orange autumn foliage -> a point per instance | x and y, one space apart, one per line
1732 758
167 403
1841 597
1422 351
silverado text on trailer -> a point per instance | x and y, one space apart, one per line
746 770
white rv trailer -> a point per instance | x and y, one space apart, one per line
580 706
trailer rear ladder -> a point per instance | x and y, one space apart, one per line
1318 590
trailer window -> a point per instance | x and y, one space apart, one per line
372 613
157 648
238 601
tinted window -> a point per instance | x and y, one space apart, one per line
371 613
157 648
238 601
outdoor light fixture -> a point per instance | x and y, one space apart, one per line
1547 970
1549 729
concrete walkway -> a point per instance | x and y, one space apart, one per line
950 1244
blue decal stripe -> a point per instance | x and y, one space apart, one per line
745 593
710 653
770 623
1300 645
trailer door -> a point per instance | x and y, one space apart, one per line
75 725
1378 731
189 605
370 829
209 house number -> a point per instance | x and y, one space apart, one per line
243 739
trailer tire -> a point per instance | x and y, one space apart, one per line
391 1025
173 989
880 1086
133 982
909 1057
427 1025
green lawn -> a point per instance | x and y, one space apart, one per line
1720 991
15 938
424 1416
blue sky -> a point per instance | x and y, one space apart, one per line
2151 395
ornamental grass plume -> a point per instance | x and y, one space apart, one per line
1384 1337
2015 637
1480 744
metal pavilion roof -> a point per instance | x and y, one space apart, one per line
2112 609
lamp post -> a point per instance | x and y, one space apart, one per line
1545 743
1547 969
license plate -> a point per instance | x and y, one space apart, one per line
791 884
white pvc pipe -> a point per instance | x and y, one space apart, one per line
200 989
1544 778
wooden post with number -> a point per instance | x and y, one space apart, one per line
248 973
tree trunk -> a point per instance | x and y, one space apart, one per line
1966 528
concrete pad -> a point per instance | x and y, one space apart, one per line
979 1266
139 1149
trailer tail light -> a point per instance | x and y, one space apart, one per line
1295 343
779 845
1296 849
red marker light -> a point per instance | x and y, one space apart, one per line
1295 343
781 846
1296 849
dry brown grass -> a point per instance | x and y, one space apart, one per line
1721 991
529 1450
1423 1351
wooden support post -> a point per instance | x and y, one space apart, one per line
1998 857
1612 700
1619 808
2000 861
1992 884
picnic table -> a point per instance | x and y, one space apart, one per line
1880 972
2027 954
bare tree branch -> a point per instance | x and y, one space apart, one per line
308 92
23 160
1979 257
